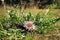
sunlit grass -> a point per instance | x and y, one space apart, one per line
55 13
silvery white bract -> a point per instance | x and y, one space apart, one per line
29 25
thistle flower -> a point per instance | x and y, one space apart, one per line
29 25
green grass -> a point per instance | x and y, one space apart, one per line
14 33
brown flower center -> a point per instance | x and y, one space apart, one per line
29 24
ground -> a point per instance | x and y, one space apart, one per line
54 35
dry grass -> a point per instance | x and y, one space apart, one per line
55 35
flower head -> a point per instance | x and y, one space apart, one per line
29 25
